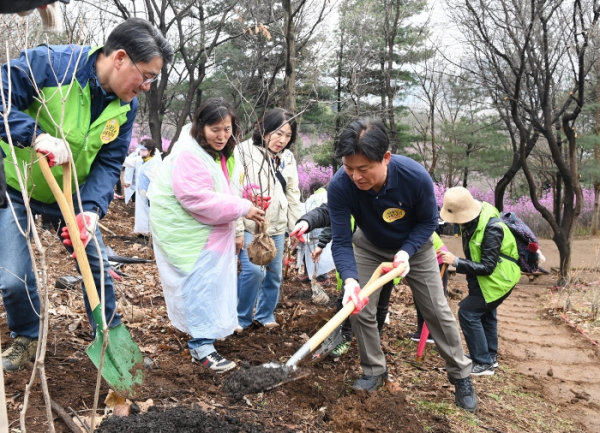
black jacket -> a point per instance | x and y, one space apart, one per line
319 218
490 251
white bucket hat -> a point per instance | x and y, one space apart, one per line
459 206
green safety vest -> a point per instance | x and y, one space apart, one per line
73 102
507 273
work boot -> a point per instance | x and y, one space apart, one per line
16 356
370 383
464 393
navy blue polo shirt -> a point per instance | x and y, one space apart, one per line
402 216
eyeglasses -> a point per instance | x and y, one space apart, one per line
146 79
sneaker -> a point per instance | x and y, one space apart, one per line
417 337
271 325
465 395
216 362
370 383
324 282
303 278
482 370
238 330
16 356
494 359
341 349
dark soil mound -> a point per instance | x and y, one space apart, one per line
177 419
380 411
250 380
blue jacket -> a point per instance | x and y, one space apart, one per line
53 67
402 216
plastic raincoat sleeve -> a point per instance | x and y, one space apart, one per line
292 193
193 188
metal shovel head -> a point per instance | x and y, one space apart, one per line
319 296
330 343
123 367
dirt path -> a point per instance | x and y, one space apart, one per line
560 360
562 363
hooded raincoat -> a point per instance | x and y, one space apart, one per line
192 220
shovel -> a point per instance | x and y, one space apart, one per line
123 366
273 374
319 296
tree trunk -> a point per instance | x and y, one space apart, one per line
434 155
289 81
391 38
596 157
466 169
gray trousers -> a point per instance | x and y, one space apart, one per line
426 285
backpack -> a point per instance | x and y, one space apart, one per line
526 242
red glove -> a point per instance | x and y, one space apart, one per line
91 219
299 230
251 192
351 290
262 202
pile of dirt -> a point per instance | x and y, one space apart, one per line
176 419
251 380
381 411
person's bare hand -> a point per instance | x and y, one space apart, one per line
316 254
239 244
447 257
255 214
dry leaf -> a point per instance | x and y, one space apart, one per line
113 399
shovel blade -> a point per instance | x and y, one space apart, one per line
123 367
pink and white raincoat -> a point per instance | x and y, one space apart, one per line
195 202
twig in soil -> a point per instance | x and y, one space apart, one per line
491 429
87 429
65 417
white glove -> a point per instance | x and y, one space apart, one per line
541 258
54 148
402 257
351 290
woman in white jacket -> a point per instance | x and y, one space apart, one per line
269 164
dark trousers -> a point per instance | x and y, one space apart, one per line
481 334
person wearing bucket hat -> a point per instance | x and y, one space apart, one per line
392 201
492 270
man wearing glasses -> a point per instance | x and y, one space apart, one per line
70 103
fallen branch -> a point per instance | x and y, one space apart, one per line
65 417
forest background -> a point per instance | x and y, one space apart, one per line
499 96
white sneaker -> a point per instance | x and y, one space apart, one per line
271 325
215 362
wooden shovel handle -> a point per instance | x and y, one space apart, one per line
376 282
65 202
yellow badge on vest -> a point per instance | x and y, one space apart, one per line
110 131
393 214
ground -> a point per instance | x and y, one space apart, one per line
547 380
